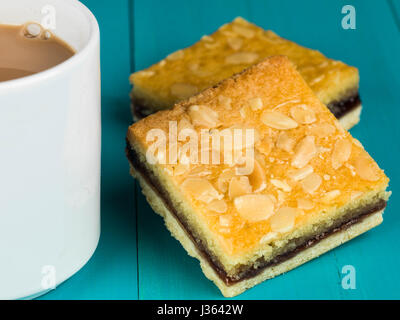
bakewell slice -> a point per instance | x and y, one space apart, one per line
298 187
232 48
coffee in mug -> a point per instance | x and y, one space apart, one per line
28 49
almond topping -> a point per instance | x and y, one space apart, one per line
235 43
285 142
280 184
303 114
225 101
357 143
331 195
265 145
268 237
305 204
181 168
183 90
243 31
366 169
239 186
219 206
201 189
322 130
283 219
341 153
175 55
254 207
255 104
304 152
277 120
203 116
146 73
241 58
225 220
184 124
311 183
207 38
301 173
257 177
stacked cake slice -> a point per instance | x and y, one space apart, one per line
234 47
278 183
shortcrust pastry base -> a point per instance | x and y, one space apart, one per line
351 118
304 256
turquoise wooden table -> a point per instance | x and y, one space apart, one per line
136 257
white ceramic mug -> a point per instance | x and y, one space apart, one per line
50 133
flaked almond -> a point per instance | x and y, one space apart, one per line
285 142
239 186
224 179
341 153
355 195
268 237
257 177
203 116
366 169
277 120
241 58
243 31
146 73
243 137
218 206
281 184
201 72
199 172
305 204
181 168
302 114
235 43
322 130
311 183
281 197
225 102
254 207
201 189
255 104
304 152
265 145
175 55
358 143
225 220
331 195
184 124
301 173
169 171
283 220
183 90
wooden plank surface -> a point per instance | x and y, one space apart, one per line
137 33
